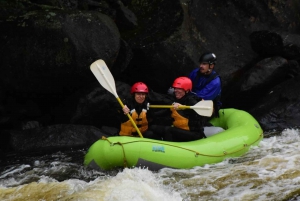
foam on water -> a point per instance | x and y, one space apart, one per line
131 184
270 171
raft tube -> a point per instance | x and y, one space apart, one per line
241 132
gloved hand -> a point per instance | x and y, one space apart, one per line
171 91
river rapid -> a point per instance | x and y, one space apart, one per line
270 171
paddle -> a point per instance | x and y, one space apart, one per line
203 108
105 78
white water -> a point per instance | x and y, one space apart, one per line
270 171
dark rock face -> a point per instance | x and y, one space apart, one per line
279 109
100 107
48 46
269 72
54 137
51 53
259 81
291 49
266 43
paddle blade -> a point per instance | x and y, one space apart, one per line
104 77
204 108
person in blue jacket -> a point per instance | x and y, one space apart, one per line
206 81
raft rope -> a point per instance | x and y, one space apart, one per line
196 153
121 144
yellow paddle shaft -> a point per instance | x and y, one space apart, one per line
130 118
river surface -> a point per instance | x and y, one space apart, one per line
270 171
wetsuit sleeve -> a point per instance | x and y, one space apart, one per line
150 115
161 112
123 118
195 120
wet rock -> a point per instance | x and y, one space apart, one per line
291 49
266 43
53 138
48 46
55 50
268 72
280 108
256 82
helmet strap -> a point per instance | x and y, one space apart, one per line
209 68
208 71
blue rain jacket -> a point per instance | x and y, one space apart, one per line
207 91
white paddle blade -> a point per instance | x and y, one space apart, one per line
204 108
104 77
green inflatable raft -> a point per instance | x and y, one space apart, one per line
241 132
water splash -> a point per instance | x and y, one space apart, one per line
270 171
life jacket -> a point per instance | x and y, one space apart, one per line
179 121
127 129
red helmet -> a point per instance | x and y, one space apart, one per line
139 87
183 83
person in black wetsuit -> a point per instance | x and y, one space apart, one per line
187 124
139 110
